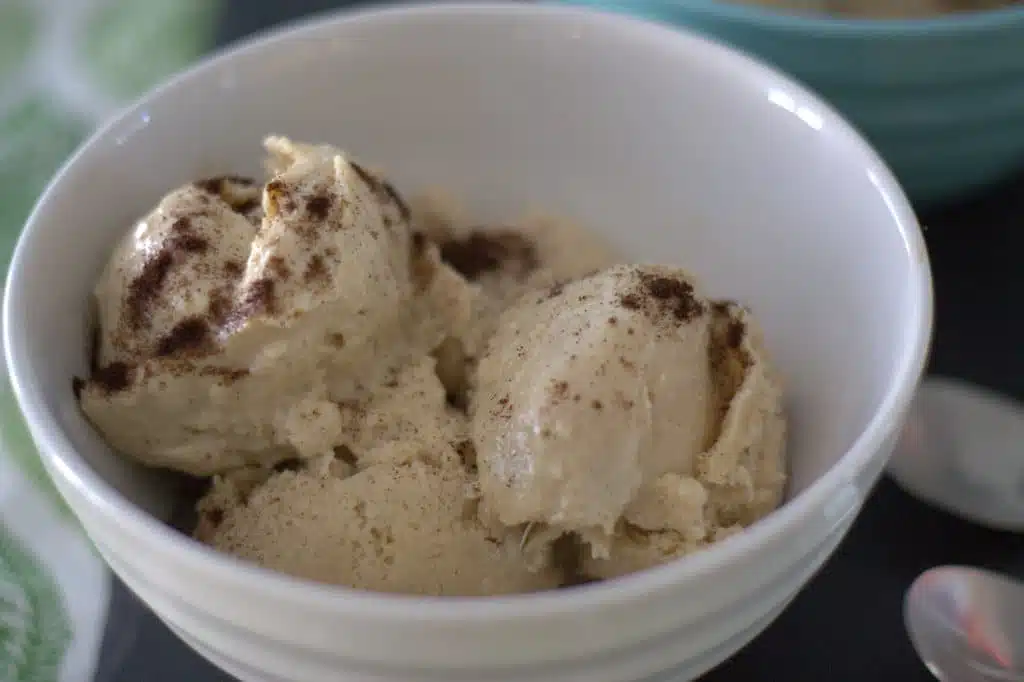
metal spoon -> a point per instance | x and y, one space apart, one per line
962 450
967 624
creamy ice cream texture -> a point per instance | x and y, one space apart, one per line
230 335
409 528
385 396
627 404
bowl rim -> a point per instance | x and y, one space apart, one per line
965 24
112 507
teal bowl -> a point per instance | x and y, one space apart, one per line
942 99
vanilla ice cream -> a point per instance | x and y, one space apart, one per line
501 263
392 398
408 528
230 338
626 399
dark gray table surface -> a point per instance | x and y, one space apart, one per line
846 625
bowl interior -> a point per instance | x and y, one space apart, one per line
675 149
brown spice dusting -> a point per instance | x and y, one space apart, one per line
613 321
219 306
316 270
490 250
677 294
317 206
730 331
151 279
189 242
232 268
226 373
630 301
77 385
597 404
382 188
337 340
115 377
259 297
504 409
560 389
467 452
147 286
556 290
279 267
182 224
215 516
190 335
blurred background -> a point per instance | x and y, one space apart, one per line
941 95
66 66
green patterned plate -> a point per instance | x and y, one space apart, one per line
34 627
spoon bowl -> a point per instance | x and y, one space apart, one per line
967 624
962 450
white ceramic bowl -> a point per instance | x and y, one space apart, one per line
677 149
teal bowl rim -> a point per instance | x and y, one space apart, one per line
960 24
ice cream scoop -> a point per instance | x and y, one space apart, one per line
229 335
624 404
